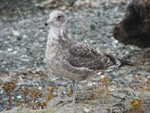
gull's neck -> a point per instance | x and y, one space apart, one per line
57 32
54 36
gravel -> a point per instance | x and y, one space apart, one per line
23 40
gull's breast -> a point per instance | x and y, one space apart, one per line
54 57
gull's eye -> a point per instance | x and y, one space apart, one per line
60 17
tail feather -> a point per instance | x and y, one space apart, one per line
125 63
119 62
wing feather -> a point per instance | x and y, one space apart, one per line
85 56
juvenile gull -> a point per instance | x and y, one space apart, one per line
71 59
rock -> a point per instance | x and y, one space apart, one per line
134 27
15 33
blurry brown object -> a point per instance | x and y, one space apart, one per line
70 92
8 87
25 91
18 104
135 105
50 95
48 98
51 89
135 26
43 104
148 80
35 94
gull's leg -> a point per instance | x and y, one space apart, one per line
73 97
74 91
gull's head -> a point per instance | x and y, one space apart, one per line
56 19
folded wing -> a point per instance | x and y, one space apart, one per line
85 56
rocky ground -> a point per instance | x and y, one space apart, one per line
22 47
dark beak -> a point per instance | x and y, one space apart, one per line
46 24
